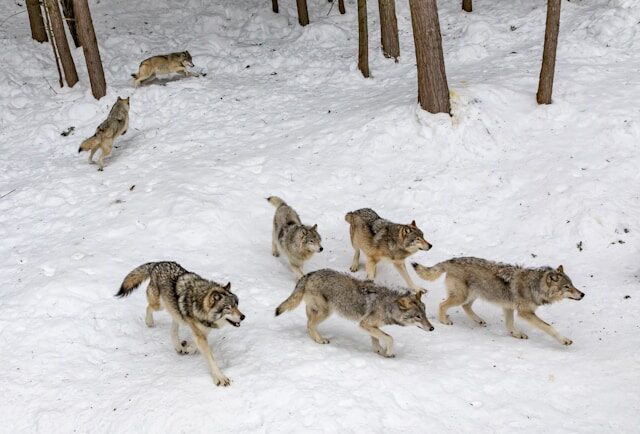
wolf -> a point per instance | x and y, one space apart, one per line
164 64
114 126
380 239
299 242
513 287
372 305
198 303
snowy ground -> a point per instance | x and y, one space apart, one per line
284 111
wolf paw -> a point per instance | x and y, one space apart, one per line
186 348
566 341
354 268
482 323
150 322
222 381
275 254
519 335
322 341
385 353
446 321
100 169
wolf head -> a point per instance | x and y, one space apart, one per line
221 305
409 310
186 59
310 239
558 286
124 101
412 238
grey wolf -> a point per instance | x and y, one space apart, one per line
164 64
513 287
381 239
110 129
198 303
373 306
299 242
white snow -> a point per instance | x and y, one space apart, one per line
283 110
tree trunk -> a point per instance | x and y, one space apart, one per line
57 27
363 39
36 22
341 7
389 29
70 18
433 92
545 85
52 38
303 13
274 6
467 5
90 47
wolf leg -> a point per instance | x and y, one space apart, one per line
508 319
375 344
203 345
451 301
274 243
297 269
371 268
471 314
402 269
315 315
535 321
93 151
182 347
355 264
386 349
106 150
153 300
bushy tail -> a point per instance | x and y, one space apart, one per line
294 299
429 273
135 278
89 144
276 201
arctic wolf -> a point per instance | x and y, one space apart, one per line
163 64
200 304
372 305
299 242
510 286
113 127
379 239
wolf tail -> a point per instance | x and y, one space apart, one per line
135 278
294 299
429 273
88 144
276 201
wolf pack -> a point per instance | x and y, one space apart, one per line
202 305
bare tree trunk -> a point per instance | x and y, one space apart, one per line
363 38
52 38
433 91
389 29
90 47
36 22
467 5
303 13
545 85
70 18
341 7
274 6
57 28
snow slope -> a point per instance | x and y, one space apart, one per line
284 111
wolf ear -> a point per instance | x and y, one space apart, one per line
227 286
404 303
187 53
419 294
314 227
560 270
413 224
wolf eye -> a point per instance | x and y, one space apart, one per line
418 316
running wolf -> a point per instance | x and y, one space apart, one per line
113 127
200 304
511 286
372 305
163 64
379 239
299 242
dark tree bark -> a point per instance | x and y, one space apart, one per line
274 6
70 18
341 7
433 91
389 29
363 39
545 85
467 5
90 47
36 22
303 13
61 44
